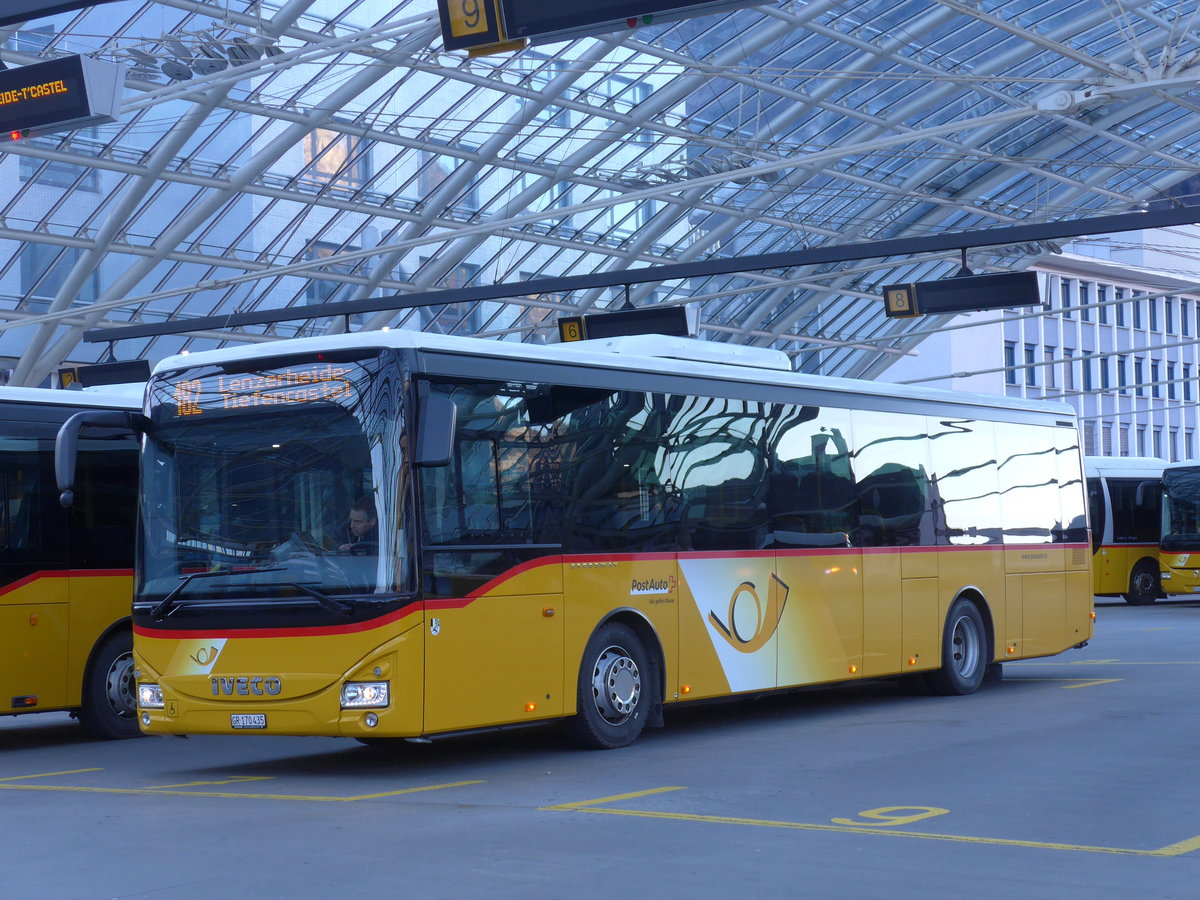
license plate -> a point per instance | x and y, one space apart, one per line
248 720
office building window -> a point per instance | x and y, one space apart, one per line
1189 444
1173 440
1139 377
1064 297
1030 371
44 270
1185 316
1120 307
1158 441
1124 440
1107 440
1137 312
1010 362
1155 369
1089 440
1122 380
1087 373
1102 297
1170 381
1103 362
435 169
1187 382
1169 314
1141 438
1153 303
1068 370
1051 378
336 159
1085 299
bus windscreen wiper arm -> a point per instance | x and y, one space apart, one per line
342 607
165 605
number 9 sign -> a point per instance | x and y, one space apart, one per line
468 23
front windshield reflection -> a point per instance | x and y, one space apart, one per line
1181 508
283 501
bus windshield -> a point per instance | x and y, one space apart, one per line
1181 509
264 486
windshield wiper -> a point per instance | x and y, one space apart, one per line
342 607
167 603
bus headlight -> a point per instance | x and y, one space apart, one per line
150 696
364 695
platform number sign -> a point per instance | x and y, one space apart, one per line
571 328
469 23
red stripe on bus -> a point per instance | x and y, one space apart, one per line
63 573
461 602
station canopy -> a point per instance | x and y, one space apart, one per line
292 154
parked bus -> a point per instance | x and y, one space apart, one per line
1179 545
586 532
66 578
1126 518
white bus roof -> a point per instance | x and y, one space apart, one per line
120 396
654 354
1126 466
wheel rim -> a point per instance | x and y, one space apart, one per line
1143 584
965 646
616 685
118 686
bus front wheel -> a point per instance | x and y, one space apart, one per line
109 710
614 697
964 656
1143 584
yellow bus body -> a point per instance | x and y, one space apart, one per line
724 625
51 622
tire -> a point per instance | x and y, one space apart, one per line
109 708
964 652
616 692
1143 584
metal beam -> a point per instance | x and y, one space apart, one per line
961 240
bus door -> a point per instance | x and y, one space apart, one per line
34 592
901 613
491 582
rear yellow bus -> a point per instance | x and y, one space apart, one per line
1124 509
1179 545
589 533
66 577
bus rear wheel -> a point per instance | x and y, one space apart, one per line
1143 584
964 656
109 709
614 695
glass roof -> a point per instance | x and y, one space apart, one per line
274 155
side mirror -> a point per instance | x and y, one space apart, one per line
66 445
1139 495
436 422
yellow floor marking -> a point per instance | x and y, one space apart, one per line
1018 664
49 774
233 779
158 792
1075 682
1069 687
614 798
589 806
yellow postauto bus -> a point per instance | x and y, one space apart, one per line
1179 545
1126 519
66 577
405 535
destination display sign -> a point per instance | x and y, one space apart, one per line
58 95
200 392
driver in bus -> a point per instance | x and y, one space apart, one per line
363 527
